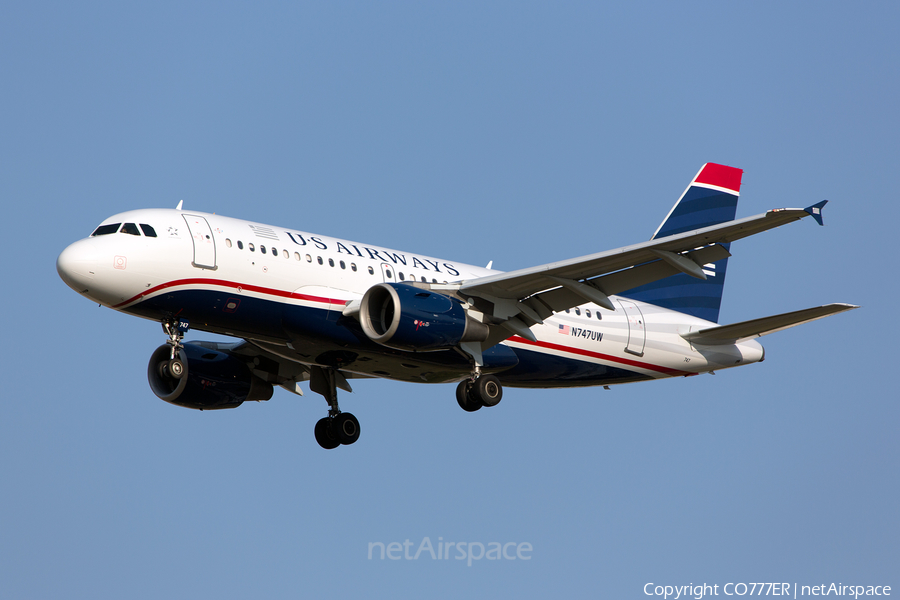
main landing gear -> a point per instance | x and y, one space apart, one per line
338 428
482 390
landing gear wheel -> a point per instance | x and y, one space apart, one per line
347 428
175 368
326 434
488 390
171 369
465 398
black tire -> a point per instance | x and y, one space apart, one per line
175 368
346 428
326 434
488 390
464 397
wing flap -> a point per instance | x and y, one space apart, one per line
731 334
561 298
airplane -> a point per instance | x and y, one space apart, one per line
315 308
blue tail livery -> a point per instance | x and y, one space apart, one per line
710 199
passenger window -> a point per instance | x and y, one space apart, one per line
319 258
227 243
296 255
388 273
106 229
577 311
287 254
274 252
148 231
434 281
424 280
330 262
130 229
587 313
567 311
308 258
251 247
402 278
599 316
343 266
371 271
353 267
262 248
240 245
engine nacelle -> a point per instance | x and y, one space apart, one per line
404 317
204 379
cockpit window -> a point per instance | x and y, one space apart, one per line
148 231
130 229
106 229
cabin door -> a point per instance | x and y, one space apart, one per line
637 333
204 243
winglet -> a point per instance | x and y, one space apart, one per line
180 204
816 211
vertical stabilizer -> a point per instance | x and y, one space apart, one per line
710 199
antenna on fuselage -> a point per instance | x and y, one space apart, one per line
180 203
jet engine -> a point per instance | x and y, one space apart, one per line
204 379
405 317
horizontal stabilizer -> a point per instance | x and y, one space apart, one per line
730 334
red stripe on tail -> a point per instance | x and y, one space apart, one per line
721 176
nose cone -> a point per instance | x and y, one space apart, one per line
77 264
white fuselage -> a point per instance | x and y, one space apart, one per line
285 290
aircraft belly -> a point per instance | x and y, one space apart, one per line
565 355
326 342
545 370
224 312
316 335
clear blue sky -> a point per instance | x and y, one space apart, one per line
514 132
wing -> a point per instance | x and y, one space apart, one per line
277 368
516 300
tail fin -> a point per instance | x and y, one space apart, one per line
710 199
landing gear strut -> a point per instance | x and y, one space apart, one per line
484 390
338 427
175 329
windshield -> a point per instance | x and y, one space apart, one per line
106 229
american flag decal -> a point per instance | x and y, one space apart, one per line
564 329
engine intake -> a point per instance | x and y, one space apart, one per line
203 379
405 317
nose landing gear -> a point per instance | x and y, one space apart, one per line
175 329
174 367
